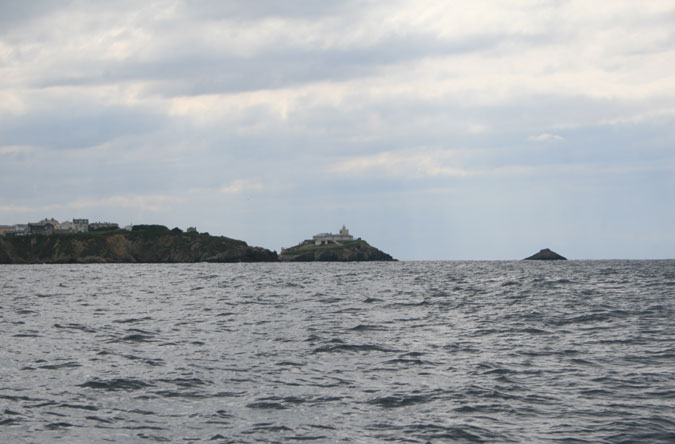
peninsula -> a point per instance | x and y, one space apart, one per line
142 243
52 242
329 247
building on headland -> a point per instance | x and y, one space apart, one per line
80 225
52 226
20 230
103 225
55 223
66 227
327 238
42 229
6 229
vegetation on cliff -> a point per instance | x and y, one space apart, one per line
145 243
341 251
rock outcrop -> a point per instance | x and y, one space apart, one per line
340 251
145 244
545 255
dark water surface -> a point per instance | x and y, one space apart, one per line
574 352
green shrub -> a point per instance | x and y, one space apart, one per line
150 229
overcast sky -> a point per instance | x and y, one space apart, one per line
482 129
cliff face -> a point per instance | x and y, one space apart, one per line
154 244
347 251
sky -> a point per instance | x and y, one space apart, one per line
436 130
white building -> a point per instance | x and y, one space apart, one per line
55 223
66 227
326 238
20 229
80 225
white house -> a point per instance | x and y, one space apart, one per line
325 238
55 223
66 227
80 225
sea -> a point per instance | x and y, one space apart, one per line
409 352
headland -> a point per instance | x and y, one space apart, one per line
140 244
329 247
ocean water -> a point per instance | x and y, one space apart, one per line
543 352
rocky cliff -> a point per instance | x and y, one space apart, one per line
342 251
146 243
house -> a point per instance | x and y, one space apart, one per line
326 238
65 227
20 230
80 225
54 222
103 225
42 229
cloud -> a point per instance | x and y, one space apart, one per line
185 51
17 12
75 120
17 209
228 9
403 165
547 137
14 149
152 203
241 186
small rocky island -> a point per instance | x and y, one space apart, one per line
143 244
545 255
328 247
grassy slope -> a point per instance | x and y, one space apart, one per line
306 248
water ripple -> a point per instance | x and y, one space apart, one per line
484 352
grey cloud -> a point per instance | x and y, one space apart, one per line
192 70
123 168
225 9
75 126
14 13
184 65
